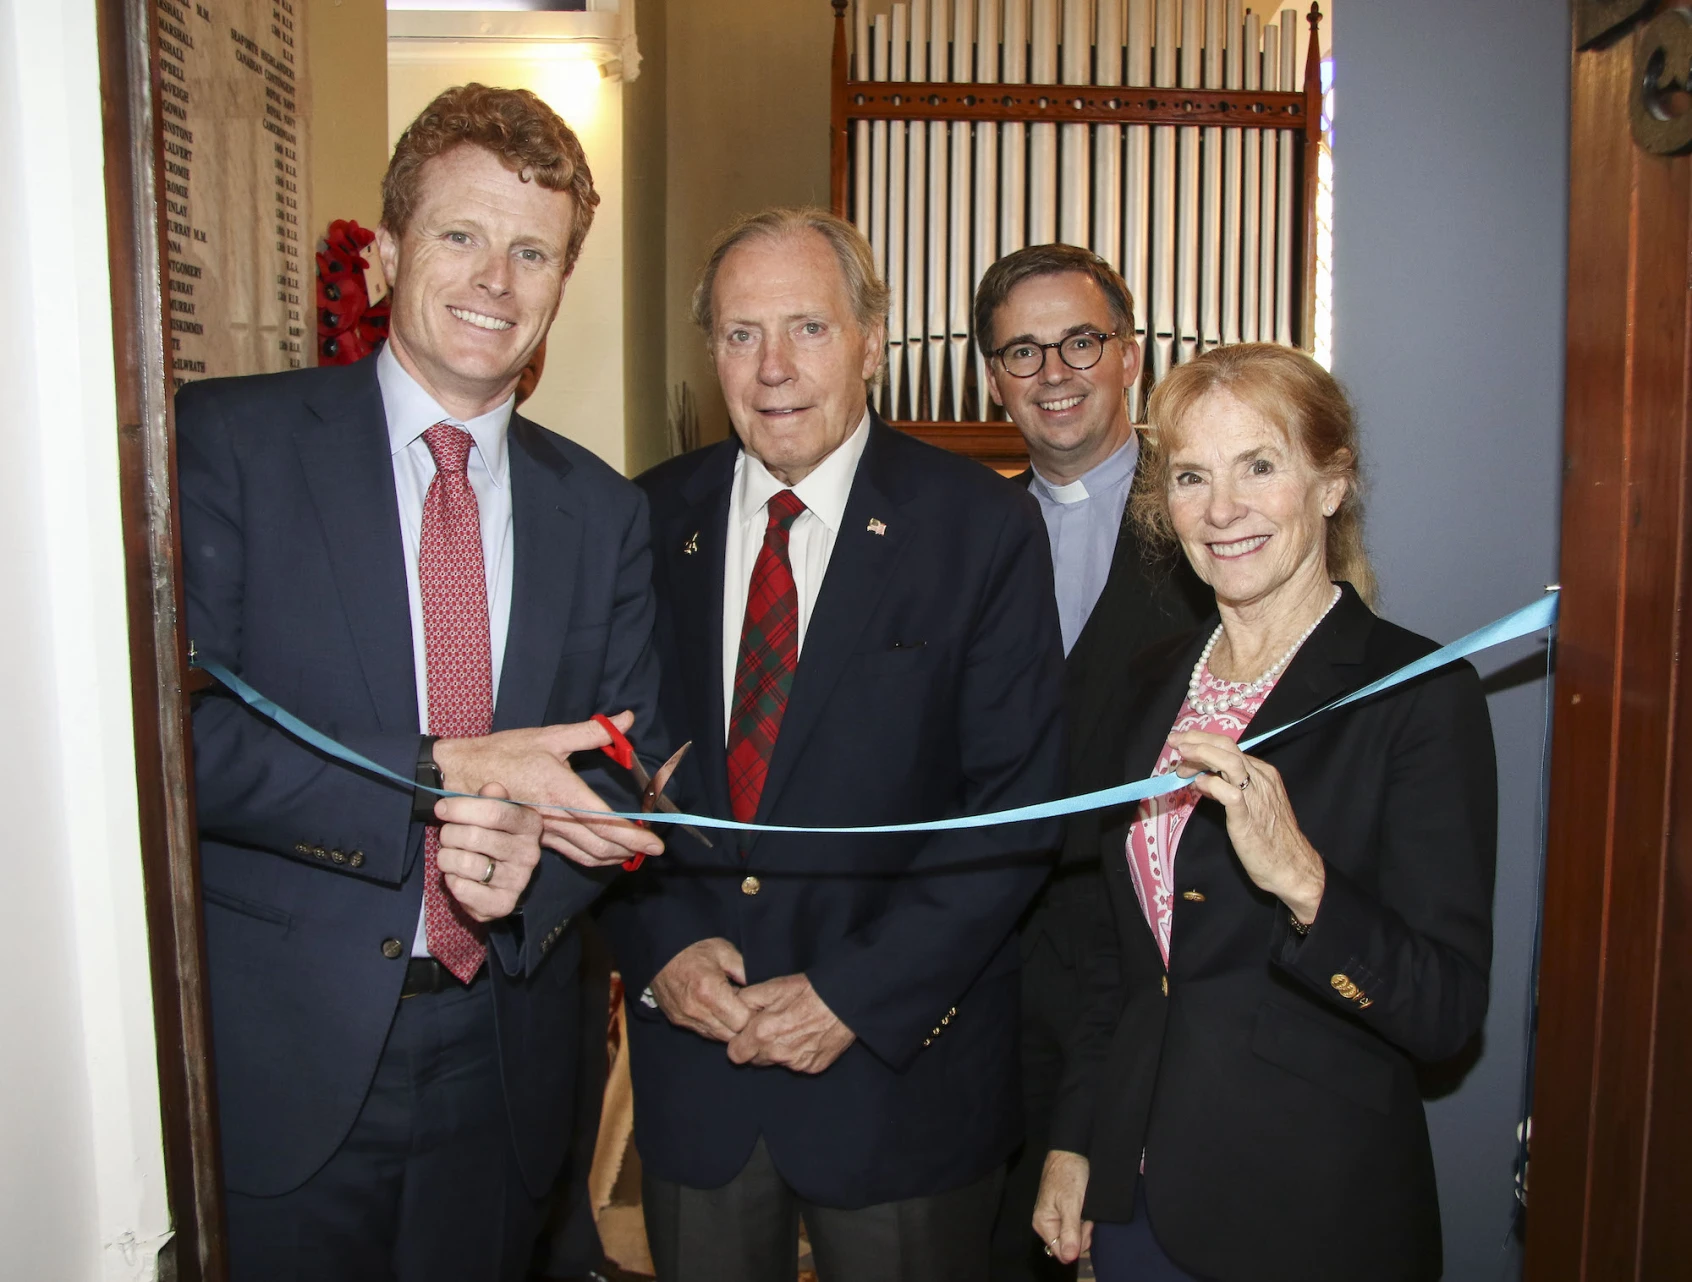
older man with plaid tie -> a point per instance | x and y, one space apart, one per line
397 556
854 628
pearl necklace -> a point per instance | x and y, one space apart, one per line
1236 694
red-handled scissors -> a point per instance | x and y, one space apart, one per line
652 795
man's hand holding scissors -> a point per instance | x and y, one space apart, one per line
534 766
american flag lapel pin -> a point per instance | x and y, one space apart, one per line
876 527
692 544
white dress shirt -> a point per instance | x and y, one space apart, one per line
411 411
810 541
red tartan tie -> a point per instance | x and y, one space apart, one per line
453 581
769 652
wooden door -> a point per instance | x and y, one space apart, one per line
158 658
1610 1180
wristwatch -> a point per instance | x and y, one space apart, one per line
428 776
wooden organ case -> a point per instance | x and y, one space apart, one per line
1174 138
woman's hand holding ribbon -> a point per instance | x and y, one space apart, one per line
1261 824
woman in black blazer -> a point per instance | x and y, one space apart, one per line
1295 930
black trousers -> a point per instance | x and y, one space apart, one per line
569 1244
425 1188
1131 1252
748 1231
1051 1003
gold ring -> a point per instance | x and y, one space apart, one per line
488 875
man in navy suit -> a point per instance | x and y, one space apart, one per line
394 555
854 628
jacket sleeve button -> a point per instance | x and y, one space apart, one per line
392 948
338 856
356 859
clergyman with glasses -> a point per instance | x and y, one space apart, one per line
1056 325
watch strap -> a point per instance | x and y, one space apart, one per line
428 776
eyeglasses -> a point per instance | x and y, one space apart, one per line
1023 359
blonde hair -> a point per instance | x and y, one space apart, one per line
1292 392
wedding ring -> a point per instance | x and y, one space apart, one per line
1245 783
488 875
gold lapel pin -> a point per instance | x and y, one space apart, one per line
876 527
692 544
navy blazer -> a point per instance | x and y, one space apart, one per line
930 684
1270 1080
296 579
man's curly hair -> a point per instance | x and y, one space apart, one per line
528 136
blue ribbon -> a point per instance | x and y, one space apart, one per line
1524 622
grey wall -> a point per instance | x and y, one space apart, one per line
1450 247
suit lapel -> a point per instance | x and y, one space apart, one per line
1151 717
859 569
695 543
349 471
546 551
1324 668
1089 670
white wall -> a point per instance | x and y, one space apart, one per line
581 393
81 1166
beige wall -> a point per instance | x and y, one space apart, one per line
645 179
748 111
348 49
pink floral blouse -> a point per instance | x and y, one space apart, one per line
1156 830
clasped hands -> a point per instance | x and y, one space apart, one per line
489 848
781 1021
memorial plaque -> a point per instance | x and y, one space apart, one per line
241 274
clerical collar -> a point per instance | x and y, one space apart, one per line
1115 470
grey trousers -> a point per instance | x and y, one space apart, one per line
748 1231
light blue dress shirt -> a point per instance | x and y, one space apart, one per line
411 411
1083 520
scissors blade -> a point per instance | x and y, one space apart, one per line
653 798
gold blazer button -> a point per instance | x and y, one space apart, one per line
751 886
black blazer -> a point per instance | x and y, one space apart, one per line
930 684
1145 599
1269 1080
295 578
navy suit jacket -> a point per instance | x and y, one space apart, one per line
1269 1081
930 684
311 871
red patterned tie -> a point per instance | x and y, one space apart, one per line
454 585
769 652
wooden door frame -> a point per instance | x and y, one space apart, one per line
1608 1178
134 150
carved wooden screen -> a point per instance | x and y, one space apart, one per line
1174 138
